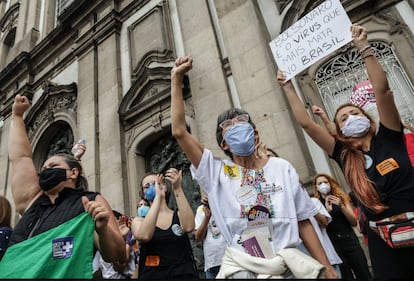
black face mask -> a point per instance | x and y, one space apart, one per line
51 177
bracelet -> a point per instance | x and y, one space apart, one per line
364 49
368 54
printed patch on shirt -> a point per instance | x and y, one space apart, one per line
62 248
246 195
232 171
270 188
368 161
386 166
152 261
258 212
177 230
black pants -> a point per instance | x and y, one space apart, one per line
389 263
355 264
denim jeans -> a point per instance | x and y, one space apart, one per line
212 272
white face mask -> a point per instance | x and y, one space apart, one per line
324 188
356 126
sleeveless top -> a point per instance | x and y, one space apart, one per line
168 255
42 215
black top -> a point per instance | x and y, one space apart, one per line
168 255
339 223
43 215
387 164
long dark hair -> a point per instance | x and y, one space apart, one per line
353 162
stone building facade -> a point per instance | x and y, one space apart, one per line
100 70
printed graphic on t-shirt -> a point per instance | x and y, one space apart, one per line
255 191
215 231
387 166
232 172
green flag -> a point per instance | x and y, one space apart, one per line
65 251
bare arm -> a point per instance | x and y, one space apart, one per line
311 241
24 179
185 213
314 130
322 220
330 126
201 232
143 228
108 239
190 145
387 110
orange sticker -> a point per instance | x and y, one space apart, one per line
152 261
387 166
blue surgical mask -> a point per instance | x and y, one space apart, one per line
240 139
150 193
143 211
356 126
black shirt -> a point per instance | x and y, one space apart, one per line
42 215
171 250
389 167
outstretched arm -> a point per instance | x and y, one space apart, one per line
190 145
185 213
24 179
313 129
387 110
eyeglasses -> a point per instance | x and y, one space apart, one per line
242 118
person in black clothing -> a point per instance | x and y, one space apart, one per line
165 249
55 196
375 164
340 231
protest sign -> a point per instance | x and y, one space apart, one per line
320 32
363 95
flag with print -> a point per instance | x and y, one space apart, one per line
65 251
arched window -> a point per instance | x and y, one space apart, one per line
335 79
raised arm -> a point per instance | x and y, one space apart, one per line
387 110
185 213
190 145
313 129
330 126
24 179
143 228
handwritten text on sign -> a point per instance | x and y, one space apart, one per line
322 31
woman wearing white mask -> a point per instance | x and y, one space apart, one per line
375 164
247 189
339 230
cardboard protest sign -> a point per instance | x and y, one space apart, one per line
363 95
322 31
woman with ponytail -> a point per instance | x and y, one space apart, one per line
375 164
354 263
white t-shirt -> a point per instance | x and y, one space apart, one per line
235 193
323 235
214 244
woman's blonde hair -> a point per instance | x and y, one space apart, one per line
353 163
5 212
335 188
